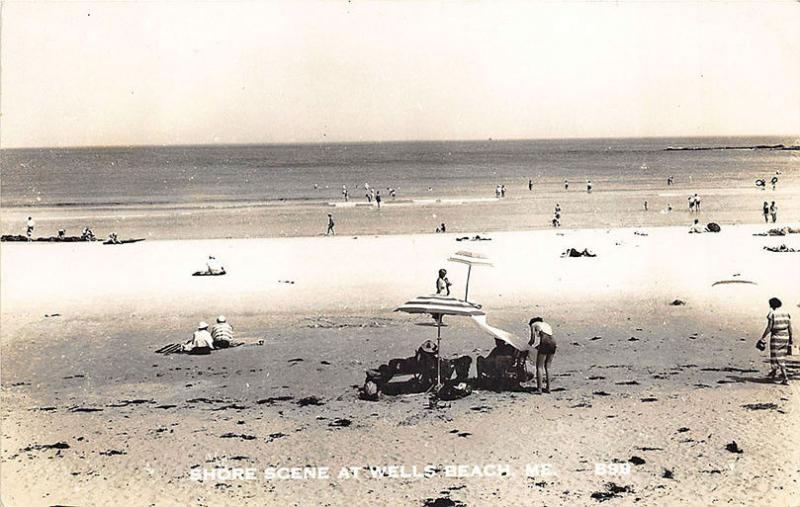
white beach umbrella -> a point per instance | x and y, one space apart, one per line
439 306
470 259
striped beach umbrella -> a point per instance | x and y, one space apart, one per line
470 259
439 306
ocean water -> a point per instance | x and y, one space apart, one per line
256 173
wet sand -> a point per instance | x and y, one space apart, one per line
89 405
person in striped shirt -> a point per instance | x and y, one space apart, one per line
222 333
779 329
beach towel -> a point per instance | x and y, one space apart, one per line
177 348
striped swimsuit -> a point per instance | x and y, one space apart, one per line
779 339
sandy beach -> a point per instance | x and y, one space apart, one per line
635 376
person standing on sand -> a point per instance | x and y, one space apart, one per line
779 329
30 225
344 192
542 340
588 186
766 212
697 203
530 184
331 225
566 184
691 204
645 205
378 198
773 210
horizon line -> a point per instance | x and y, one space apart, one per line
389 141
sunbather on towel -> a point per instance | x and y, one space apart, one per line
782 248
201 343
222 333
571 252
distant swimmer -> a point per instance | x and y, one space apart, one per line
669 208
31 224
344 192
669 181
392 193
766 212
589 186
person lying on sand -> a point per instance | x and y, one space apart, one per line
571 252
542 340
213 268
476 237
201 343
782 248
222 333
781 231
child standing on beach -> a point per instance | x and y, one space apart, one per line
766 212
773 210
442 283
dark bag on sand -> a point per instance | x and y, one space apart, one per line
713 227
454 391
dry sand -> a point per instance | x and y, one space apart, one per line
136 422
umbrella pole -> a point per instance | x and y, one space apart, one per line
438 352
466 291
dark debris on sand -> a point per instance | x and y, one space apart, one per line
273 399
760 406
668 474
442 502
636 460
734 448
310 400
41 447
612 491
237 435
340 423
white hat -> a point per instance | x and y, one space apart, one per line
221 318
543 327
202 325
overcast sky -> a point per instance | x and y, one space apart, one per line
109 73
